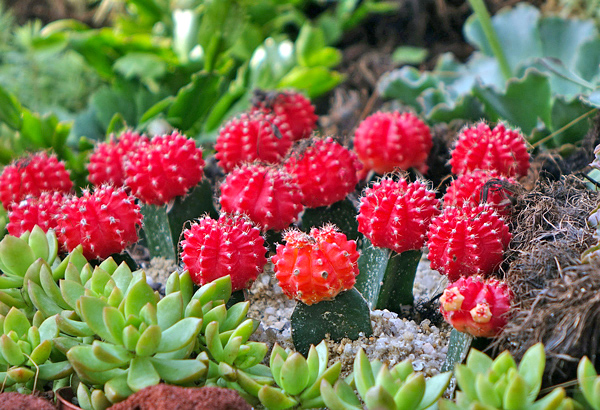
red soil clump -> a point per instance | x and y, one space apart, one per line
164 396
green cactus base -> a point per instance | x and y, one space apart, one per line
348 315
157 231
387 278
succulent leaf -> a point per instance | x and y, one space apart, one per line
16 256
180 334
169 310
117 389
179 371
531 369
275 399
142 374
110 353
149 341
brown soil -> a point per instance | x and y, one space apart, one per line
18 401
167 397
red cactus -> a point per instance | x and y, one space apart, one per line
316 267
292 108
107 162
501 149
165 168
256 136
477 306
326 172
231 246
269 195
103 222
33 175
468 190
396 214
386 141
467 241
43 211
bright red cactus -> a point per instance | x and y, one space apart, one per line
469 189
43 211
326 172
231 246
257 136
103 222
501 149
386 141
33 175
292 108
316 267
467 241
165 168
107 162
396 214
269 195
477 306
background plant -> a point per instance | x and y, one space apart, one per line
550 59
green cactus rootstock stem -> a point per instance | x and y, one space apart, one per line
458 348
387 278
158 231
483 16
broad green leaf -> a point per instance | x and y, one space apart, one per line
10 110
517 31
312 80
510 106
141 65
406 84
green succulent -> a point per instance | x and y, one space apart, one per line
297 379
501 384
383 388
25 351
143 339
589 382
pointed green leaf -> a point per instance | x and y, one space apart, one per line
55 371
142 374
117 389
138 295
92 311
149 341
378 398
83 358
131 335
115 322
516 393
41 300
435 387
180 334
179 371
532 367
169 310
11 351
17 321
73 327
363 375
294 374
275 399
16 255
38 242
111 353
